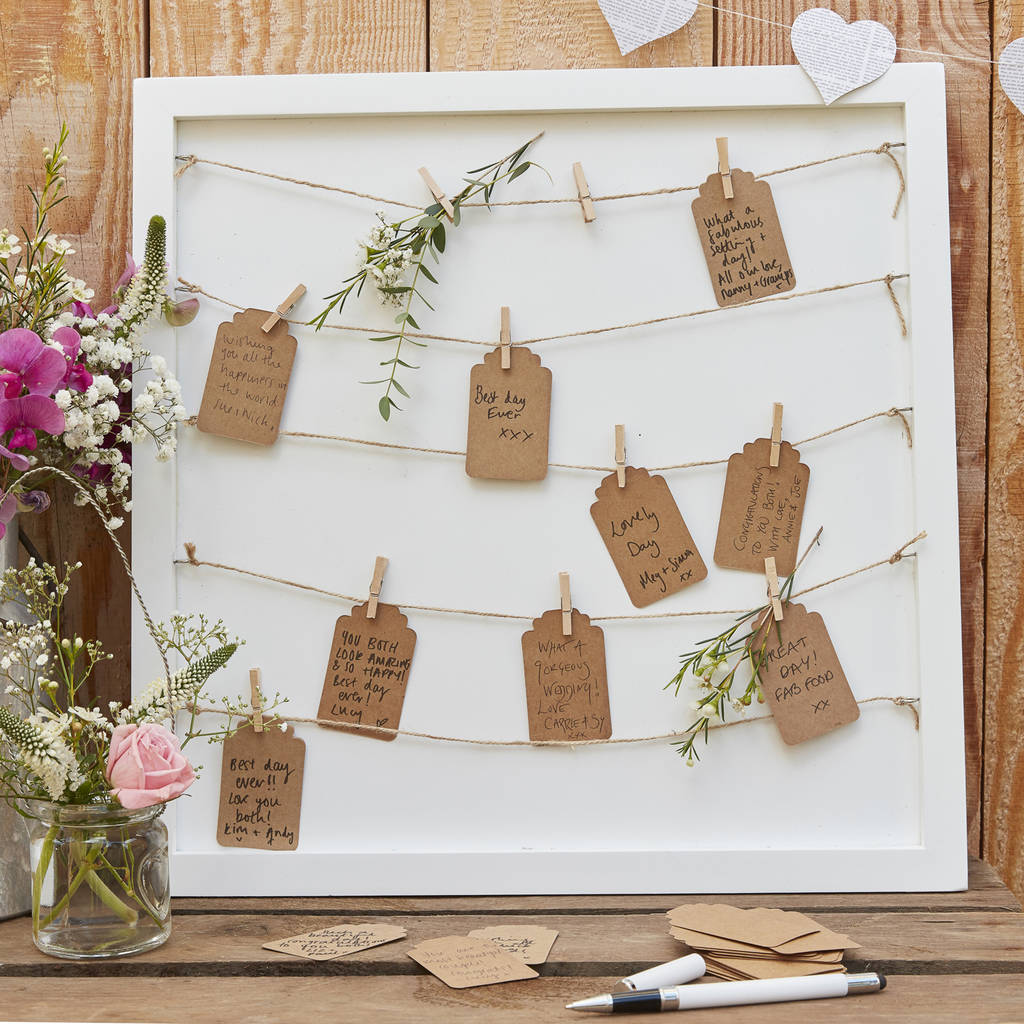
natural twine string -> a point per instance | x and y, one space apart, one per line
885 149
903 702
886 279
193 560
310 435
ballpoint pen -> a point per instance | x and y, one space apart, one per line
732 993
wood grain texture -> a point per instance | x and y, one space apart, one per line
279 37
471 35
961 29
74 61
1004 717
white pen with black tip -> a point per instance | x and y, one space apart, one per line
732 993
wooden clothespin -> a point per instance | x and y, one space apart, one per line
375 586
773 459
257 701
773 588
583 191
723 167
282 311
620 453
563 587
439 196
506 338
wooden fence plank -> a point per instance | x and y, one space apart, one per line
470 35
964 31
74 61
254 37
1004 712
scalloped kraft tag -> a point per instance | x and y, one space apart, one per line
509 417
368 671
803 683
644 532
762 509
261 788
742 239
566 679
248 379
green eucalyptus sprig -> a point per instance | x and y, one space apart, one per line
394 259
720 663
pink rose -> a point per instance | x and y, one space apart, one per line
146 766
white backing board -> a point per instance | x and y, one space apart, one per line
875 806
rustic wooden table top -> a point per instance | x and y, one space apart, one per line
949 957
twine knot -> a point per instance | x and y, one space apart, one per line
888 280
190 552
906 424
909 702
188 161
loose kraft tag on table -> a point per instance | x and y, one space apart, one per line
337 941
742 239
566 680
803 683
462 961
644 532
248 379
762 508
509 417
530 943
261 788
368 671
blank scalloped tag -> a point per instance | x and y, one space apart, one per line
802 681
742 239
566 679
509 417
644 532
840 57
368 671
261 788
762 509
248 379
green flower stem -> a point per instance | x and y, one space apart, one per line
45 856
405 325
87 873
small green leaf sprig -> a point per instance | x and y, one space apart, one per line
394 259
719 663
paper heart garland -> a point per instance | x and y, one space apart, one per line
635 22
839 57
1011 73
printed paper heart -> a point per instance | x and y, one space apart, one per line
635 22
839 57
1011 73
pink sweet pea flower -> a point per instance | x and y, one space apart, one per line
130 270
28 414
145 765
29 364
82 310
76 377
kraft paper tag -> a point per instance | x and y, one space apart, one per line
566 680
527 942
368 671
461 961
248 379
762 926
644 532
802 681
337 941
762 509
509 417
261 788
742 240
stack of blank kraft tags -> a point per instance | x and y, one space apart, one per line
741 945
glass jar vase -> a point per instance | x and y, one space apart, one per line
100 880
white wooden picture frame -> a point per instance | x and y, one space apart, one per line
878 805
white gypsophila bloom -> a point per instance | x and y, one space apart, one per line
165 452
105 386
115 523
144 404
159 366
62 399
